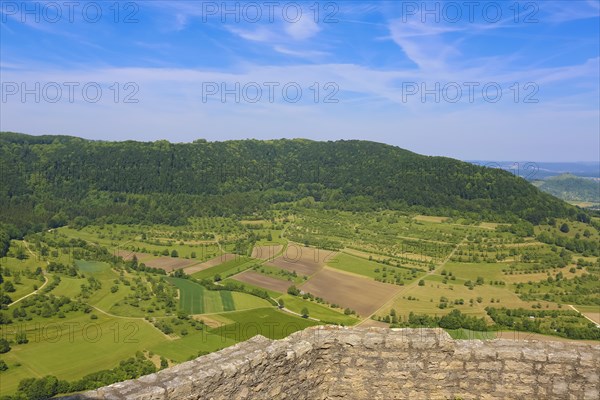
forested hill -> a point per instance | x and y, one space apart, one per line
50 180
572 188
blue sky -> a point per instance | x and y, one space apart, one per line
485 80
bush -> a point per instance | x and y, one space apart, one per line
4 346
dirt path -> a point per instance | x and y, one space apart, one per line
46 280
585 316
32 293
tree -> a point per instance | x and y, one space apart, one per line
4 346
163 363
564 228
174 253
8 287
42 388
3 366
281 303
293 290
21 254
304 312
21 338
5 299
421 282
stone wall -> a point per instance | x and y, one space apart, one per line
353 363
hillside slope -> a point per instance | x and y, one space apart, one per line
49 180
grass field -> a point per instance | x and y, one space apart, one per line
426 299
356 265
73 347
267 322
226 269
183 349
318 311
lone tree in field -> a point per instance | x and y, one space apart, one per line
304 312
174 253
564 228
281 303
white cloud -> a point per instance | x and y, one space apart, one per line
303 29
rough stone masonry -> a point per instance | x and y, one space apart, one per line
352 363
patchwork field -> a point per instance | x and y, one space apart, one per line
384 264
363 295
195 299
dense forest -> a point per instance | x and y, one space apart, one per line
49 181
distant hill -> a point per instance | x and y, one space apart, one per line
533 171
571 188
50 180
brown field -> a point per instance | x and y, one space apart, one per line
266 252
169 263
361 294
594 316
256 279
213 262
303 260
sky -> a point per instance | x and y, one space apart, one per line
491 80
